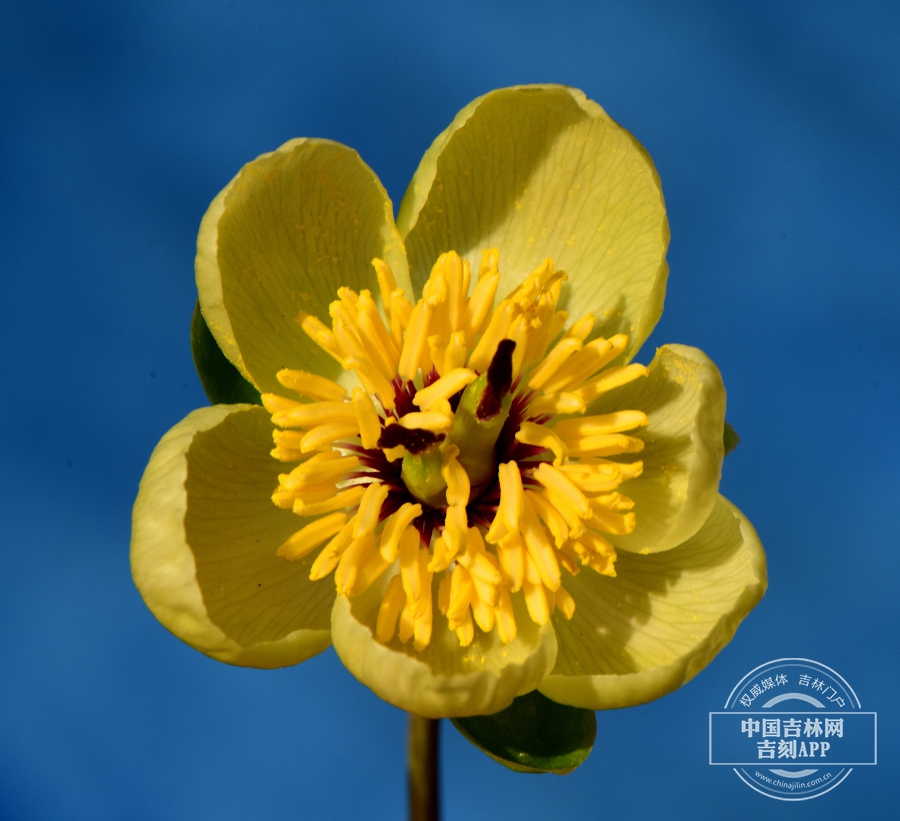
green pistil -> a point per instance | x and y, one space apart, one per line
421 473
479 418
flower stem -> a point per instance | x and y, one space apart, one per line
422 768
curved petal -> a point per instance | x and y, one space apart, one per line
663 618
289 230
444 679
204 536
685 400
541 171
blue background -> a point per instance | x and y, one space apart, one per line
774 127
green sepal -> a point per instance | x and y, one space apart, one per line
221 381
533 735
731 438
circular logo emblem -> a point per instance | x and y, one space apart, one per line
792 729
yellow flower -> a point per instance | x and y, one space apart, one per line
473 491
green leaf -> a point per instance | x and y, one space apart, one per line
533 735
222 382
731 439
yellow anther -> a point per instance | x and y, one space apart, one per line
490 261
436 349
407 621
579 367
324 436
558 403
375 338
539 549
596 552
461 592
319 333
465 631
480 304
511 501
565 509
536 602
289 414
630 470
389 611
288 445
565 602
275 403
284 454
310 385
596 425
484 615
496 331
613 501
456 297
331 554
528 290
554 479
484 591
550 516
323 467
372 380
479 562
455 353
400 312
568 559
345 498
409 564
466 278
610 444
597 544
609 521
370 509
554 360
288 438
594 356
593 478
505 618
539 339
310 537
367 418
394 528
369 571
613 378
433 421
423 623
291 489
455 476
349 301
456 530
511 554
531 434
444 594
444 388
582 328
415 341
386 283
360 565
348 342
521 331
441 555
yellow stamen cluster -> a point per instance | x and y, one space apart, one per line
554 491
